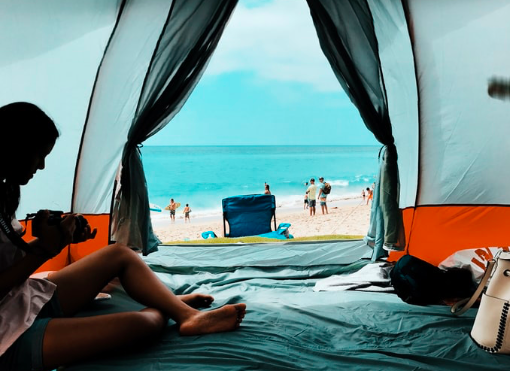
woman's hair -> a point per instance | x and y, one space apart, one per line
24 127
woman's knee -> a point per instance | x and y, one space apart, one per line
152 320
121 252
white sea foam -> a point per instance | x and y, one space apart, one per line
282 203
339 182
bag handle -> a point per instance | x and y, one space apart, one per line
463 305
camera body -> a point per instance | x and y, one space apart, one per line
54 218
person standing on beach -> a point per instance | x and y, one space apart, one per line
363 194
322 196
312 191
370 195
266 189
172 210
305 206
186 212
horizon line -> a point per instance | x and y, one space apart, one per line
261 145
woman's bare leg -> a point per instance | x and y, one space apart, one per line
79 283
70 340
197 300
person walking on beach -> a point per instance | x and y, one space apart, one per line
323 196
38 326
312 192
186 212
266 189
363 194
370 195
305 205
172 206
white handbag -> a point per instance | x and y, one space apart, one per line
491 330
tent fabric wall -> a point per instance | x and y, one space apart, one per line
53 63
463 132
437 232
461 199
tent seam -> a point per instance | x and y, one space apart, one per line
405 7
457 205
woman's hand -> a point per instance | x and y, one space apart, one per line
84 232
53 238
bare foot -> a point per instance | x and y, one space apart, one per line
197 300
226 318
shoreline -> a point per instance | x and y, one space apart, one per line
346 216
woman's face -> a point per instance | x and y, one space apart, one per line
28 164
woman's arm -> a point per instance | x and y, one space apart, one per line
51 241
17 273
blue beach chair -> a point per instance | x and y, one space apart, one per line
251 215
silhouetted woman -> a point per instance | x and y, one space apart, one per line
37 327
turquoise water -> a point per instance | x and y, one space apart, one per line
203 175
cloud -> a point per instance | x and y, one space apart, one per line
276 41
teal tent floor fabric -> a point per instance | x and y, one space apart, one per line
288 326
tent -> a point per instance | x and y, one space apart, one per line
113 73
416 70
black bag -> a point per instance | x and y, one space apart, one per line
327 188
418 282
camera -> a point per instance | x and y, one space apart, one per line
54 218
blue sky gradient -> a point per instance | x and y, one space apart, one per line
268 83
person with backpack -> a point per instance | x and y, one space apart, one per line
324 190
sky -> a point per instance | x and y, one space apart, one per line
267 83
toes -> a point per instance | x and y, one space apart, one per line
240 315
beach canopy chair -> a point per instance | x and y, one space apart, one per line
248 215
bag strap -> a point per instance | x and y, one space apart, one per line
462 306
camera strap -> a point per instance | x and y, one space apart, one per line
6 227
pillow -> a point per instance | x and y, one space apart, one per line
474 260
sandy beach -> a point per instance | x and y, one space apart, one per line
350 217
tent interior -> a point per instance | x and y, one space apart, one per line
112 74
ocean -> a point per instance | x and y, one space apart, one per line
202 176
